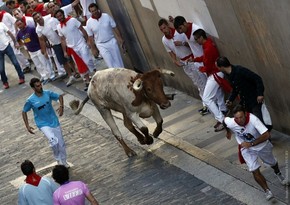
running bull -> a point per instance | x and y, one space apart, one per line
134 95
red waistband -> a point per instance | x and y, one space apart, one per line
187 57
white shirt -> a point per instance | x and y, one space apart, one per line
49 30
29 21
9 21
67 9
101 29
254 127
179 51
4 37
85 5
72 34
196 49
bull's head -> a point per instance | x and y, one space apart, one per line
150 84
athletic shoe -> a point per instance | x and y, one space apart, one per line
53 78
86 87
45 81
6 85
282 179
59 162
268 194
70 81
21 81
62 76
204 111
27 70
201 109
217 124
220 127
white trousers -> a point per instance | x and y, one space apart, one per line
198 78
23 62
85 54
111 53
42 64
56 142
213 97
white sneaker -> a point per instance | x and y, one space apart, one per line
71 80
59 162
282 179
268 194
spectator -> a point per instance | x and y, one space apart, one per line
253 138
76 43
213 95
6 49
70 192
46 119
27 35
37 7
182 26
178 48
8 6
36 190
101 29
9 21
246 84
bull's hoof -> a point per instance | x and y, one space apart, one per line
131 153
74 104
149 140
142 141
156 133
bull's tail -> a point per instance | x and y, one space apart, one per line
76 106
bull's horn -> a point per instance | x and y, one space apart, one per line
169 72
137 84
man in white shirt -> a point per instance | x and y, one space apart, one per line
6 49
252 136
74 36
177 45
101 29
46 29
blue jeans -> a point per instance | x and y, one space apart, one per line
10 53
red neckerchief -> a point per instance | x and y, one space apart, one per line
33 179
171 35
63 23
1 15
247 119
188 32
98 17
23 19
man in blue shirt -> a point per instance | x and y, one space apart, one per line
45 118
36 190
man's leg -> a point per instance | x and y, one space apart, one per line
260 179
11 55
2 67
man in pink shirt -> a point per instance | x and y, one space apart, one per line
70 192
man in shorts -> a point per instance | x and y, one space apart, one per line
252 136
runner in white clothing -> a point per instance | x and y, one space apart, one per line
77 41
101 29
252 136
177 45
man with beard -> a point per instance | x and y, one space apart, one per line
46 119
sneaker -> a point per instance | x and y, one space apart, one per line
201 109
59 162
282 179
268 194
70 81
86 87
45 81
220 127
204 111
6 85
62 76
21 81
53 78
217 124
27 70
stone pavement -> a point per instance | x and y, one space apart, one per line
196 149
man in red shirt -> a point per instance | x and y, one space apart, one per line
213 95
